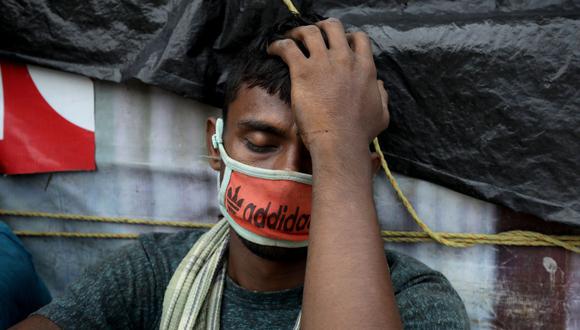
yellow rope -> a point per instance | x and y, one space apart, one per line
520 238
291 7
92 218
67 234
435 236
516 237
388 236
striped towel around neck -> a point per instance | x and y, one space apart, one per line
193 297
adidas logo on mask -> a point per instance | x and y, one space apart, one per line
233 203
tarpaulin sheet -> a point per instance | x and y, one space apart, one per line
485 96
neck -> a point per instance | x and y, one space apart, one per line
258 274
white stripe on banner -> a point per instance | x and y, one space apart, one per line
70 95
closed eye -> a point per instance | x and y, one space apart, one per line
259 148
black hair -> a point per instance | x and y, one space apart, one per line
256 68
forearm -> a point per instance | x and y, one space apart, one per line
339 106
347 281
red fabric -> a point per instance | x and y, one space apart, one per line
278 209
36 137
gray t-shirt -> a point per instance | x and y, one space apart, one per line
126 290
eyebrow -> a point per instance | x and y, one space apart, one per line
257 125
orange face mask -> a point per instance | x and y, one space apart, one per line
266 207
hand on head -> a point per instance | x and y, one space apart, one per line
336 99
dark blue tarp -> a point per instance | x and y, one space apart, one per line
485 94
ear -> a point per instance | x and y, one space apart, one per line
213 159
376 162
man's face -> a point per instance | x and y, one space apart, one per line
260 132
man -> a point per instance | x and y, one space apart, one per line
292 150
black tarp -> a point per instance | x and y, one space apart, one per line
485 94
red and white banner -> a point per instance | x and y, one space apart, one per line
47 120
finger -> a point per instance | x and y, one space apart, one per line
288 50
360 44
335 33
384 101
384 94
311 37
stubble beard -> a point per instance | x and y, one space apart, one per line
275 253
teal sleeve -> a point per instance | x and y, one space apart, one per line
21 290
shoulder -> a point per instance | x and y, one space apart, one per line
159 253
407 271
425 297
166 250
135 275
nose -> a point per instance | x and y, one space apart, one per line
296 158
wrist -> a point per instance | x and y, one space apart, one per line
341 160
328 146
